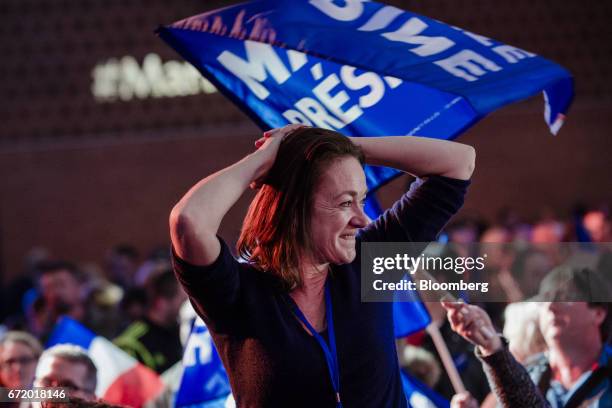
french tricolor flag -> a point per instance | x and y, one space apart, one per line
121 379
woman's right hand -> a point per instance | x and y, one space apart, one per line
267 148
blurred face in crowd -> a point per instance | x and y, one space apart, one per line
547 232
537 265
337 211
595 222
165 310
59 372
570 322
122 268
60 288
134 311
498 256
17 365
464 235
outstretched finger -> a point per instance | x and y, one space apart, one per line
455 319
452 305
457 310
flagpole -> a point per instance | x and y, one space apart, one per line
445 356
434 332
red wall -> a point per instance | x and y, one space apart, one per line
78 176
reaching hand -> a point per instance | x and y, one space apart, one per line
474 325
268 147
463 400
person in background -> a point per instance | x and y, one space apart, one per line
19 353
17 295
575 371
545 234
61 293
133 306
597 223
158 260
604 269
522 330
503 288
154 340
464 231
121 265
67 366
420 363
576 327
530 266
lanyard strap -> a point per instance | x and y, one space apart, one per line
593 383
331 356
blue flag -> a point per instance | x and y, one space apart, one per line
70 331
420 395
362 68
409 313
204 382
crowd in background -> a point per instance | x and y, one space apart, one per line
135 301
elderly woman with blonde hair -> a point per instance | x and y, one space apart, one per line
19 353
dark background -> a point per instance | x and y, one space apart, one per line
79 175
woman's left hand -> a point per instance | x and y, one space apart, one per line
474 325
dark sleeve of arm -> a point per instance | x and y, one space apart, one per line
510 382
421 213
214 289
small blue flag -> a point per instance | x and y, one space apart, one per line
204 380
409 313
420 395
70 331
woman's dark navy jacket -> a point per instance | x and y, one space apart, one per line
271 360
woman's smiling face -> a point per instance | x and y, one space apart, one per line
337 211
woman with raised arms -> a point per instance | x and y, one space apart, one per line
288 322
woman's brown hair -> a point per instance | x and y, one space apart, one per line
276 230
